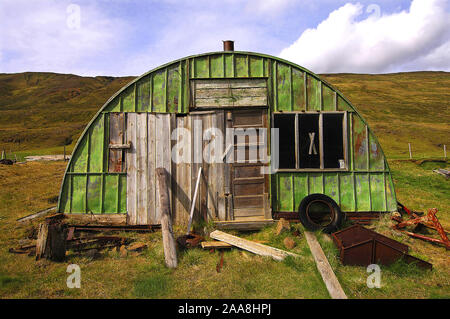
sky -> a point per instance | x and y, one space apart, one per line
131 37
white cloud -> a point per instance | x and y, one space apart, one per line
38 37
417 39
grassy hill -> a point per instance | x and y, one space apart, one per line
40 112
48 110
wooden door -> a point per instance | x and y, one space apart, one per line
248 185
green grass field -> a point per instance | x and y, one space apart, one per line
401 108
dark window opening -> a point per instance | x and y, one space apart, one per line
333 148
286 125
308 131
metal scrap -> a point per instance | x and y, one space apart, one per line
361 246
429 221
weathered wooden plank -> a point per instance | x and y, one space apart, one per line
41 242
151 179
215 245
141 169
234 101
120 146
210 93
131 161
36 215
283 87
116 132
170 252
331 282
360 147
253 247
91 219
230 84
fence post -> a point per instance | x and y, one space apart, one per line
410 152
445 151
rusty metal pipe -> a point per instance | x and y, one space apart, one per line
228 45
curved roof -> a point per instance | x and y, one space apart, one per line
166 89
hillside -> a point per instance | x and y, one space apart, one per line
47 110
44 110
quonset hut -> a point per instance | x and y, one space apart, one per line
329 159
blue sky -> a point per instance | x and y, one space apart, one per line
130 37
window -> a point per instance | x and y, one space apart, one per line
311 140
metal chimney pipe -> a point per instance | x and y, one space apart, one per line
228 45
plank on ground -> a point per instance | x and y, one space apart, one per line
253 247
331 282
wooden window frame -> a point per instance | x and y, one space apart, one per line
321 151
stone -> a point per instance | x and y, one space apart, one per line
123 251
289 243
283 225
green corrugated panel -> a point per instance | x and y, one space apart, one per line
313 91
128 99
217 66
94 194
158 90
343 105
332 186
114 105
79 193
390 194
327 98
300 189
96 147
123 193
173 89
79 161
359 144
256 67
229 66
315 183
284 87
376 155
241 66
65 196
362 192
285 192
377 191
143 94
110 197
346 192
201 67
298 90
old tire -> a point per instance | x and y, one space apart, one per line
320 212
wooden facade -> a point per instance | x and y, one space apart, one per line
112 170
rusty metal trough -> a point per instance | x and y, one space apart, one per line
360 246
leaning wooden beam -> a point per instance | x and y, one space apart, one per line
170 252
334 288
36 215
253 247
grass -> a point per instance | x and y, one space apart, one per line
30 187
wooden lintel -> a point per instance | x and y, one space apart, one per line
91 219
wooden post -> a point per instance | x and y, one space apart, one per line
170 252
445 151
3 154
410 152
64 152
191 214
51 241
41 243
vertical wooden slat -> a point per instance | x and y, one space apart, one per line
151 179
141 169
131 170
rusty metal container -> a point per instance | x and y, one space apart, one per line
360 246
